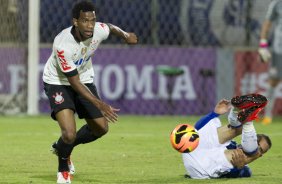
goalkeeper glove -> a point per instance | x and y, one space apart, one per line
263 51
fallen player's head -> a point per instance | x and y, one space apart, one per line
264 143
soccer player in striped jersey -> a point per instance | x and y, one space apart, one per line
68 83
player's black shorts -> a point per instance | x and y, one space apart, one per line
64 97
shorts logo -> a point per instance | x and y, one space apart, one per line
58 98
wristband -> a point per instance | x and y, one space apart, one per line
263 43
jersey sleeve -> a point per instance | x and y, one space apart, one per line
105 30
271 13
204 120
64 60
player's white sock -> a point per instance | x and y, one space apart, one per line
249 138
232 118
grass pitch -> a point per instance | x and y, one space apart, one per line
136 150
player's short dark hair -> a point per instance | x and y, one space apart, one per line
83 6
267 139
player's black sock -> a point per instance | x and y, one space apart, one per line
64 151
84 135
63 165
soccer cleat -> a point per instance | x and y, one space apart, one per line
63 177
249 114
53 148
266 120
71 166
250 100
70 163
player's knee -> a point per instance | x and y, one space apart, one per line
98 127
69 137
103 131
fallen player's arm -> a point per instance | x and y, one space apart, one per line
236 157
239 159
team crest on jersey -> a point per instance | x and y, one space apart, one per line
58 98
83 50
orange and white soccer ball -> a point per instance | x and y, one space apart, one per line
184 138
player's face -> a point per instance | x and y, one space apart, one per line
263 146
85 24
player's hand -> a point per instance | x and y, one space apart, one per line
222 106
131 38
238 158
264 54
109 112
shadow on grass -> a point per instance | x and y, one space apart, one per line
175 180
44 177
52 178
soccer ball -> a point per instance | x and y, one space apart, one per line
184 138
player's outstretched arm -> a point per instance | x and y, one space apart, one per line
221 107
263 49
129 38
266 26
109 112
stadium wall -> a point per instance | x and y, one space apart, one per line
128 78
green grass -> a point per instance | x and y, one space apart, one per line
135 151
